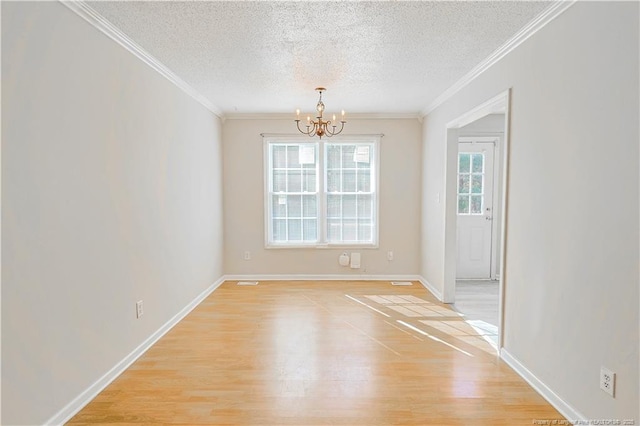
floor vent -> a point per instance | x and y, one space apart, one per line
247 282
401 283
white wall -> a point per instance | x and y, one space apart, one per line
244 202
111 193
572 225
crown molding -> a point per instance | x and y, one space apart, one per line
546 16
86 12
350 116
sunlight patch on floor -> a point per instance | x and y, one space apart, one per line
438 318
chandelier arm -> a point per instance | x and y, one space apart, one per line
300 130
298 126
328 131
339 131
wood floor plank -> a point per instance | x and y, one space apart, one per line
319 353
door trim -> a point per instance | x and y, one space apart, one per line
500 103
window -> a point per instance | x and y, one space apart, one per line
470 183
321 193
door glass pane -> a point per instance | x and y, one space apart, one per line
476 204
463 163
463 184
476 184
478 160
463 204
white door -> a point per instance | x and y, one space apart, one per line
475 209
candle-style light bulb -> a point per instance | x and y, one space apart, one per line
334 117
298 114
308 119
342 115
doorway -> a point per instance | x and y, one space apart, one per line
475 207
476 170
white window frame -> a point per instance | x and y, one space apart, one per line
321 180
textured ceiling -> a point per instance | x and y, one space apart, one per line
268 56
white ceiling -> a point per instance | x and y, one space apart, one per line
268 56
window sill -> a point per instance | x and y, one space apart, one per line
322 246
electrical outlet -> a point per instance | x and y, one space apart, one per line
139 310
390 255
608 381
247 255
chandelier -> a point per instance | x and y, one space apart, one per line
320 127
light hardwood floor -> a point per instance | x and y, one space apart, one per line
478 300
319 353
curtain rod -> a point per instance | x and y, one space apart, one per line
301 135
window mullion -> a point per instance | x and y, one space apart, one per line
357 204
302 183
286 190
342 193
321 184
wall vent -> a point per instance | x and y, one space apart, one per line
401 283
247 282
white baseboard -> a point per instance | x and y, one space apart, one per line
92 391
436 293
320 277
558 403
337 277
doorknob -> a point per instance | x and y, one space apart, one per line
488 218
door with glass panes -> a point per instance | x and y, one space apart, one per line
475 209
